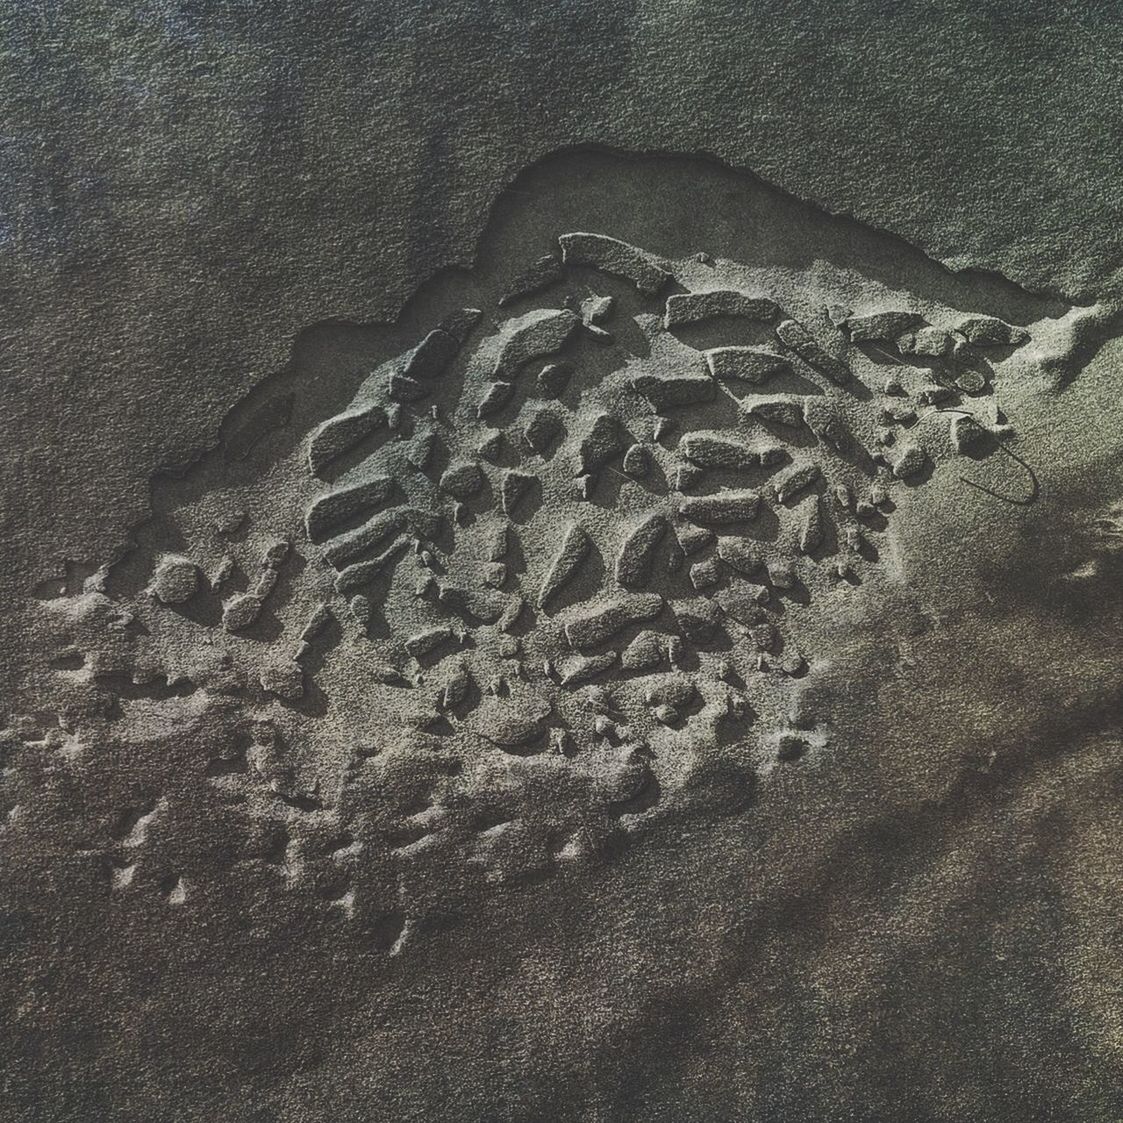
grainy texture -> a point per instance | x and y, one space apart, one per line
561 696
